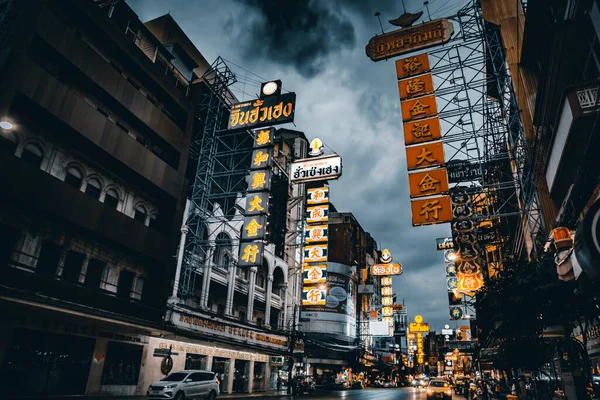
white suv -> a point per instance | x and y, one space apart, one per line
189 384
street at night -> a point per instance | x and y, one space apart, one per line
350 199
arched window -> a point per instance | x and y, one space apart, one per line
32 155
154 221
73 177
140 214
9 141
222 253
93 188
111 199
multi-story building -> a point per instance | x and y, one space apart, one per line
97 118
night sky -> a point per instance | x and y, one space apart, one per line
317 48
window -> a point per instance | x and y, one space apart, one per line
73 178
48 258
153 221
93 189
94 273
242 316
122 364
220 309
207 376
125 284
111 199
32 155
260 280
72 267
140 214
195 377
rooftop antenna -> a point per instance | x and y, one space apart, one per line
426 4
403 7
377 14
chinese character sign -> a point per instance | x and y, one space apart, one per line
433 210
413 65
387 291
386 281
317 195
262 158
312 274
422 107
387 311
317 214
425 156
254 228
259 180
270 110
250 254
315 233
257 203
314 296
387 301
421 131
415 86
315 253
264 137
434 181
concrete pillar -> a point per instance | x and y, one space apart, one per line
268 301
268 377
251 377
230 291
285 305
95 375
6 333
205 286
209 362
251 287
231 375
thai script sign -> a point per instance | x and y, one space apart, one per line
418 327
386 269
461 344
463 171
444 243
316 169
270 110
409 39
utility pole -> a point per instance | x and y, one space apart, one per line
292 345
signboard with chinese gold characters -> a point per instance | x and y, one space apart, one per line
386 269
312 274
257 203
317 214
415 86
428 183
267 111
387 311
425 156
406 40
315 233
255 227
262 158
422 107
421 131
317 195
264 137
251 253
315 253
314 296
387 301
413 65
386 281
433 210
259 180
387 291
316 169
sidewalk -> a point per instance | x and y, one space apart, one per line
258 395
270 393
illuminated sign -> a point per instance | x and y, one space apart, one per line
316 169
262 158
406 40
264 137
317 214
255 227
387 291
425 156
387 301
259 180
314 296
250 254
387 311
433 210
315 233
386 256
386 281
418 327
317 195
315 253
257 203
421 131
316 147
267 111
418 108
386 269
413 65
314 274
444 243
415 86
398 306
427 183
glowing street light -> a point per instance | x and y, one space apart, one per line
6 125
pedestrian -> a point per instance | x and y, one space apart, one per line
278 383
467 389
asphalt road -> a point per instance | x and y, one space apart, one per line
370 394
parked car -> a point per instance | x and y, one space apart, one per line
419 383
188 384
439 389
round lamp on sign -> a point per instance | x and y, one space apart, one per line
6 125
269 88
418 319
452 257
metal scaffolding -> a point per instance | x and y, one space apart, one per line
219 160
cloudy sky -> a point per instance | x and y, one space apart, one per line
317 48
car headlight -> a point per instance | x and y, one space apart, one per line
449 391
171 386
429 391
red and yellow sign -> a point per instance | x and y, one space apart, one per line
421 131
387 301
422 107
434 210
315 233
387 311
386 269
315 253
314 274
386 281
317 214
413 65
387 291
424 156
314 296
317 195
415 86
427 183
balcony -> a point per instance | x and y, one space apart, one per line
40 88
82 56
32 190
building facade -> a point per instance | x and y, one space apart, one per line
98 117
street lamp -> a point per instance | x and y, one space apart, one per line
6 125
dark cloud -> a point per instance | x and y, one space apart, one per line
296 33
